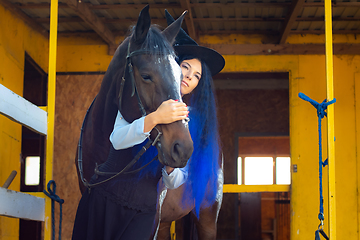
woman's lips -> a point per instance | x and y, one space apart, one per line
185 83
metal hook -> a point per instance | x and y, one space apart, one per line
321 225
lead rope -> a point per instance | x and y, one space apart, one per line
321 107
51 194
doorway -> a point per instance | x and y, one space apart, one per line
253 105
32 146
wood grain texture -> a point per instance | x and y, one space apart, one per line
73 97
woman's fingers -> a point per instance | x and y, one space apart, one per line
171 111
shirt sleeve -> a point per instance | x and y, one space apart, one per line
125 135
176 178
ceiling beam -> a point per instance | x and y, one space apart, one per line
39 5
194 5
318 32
244 32
294 10
162 21
283 49
272 33
227 32
166 5
241 5
337 4
29 21
239 19
104 20
85 13
135 6
106 6
189 21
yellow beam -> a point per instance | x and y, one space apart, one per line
330 118
172 231
43 108
235 188
51 111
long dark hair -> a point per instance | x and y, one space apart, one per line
203 125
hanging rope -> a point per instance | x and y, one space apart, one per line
51 194
320 107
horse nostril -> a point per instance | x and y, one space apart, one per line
176 151
178 154
181 153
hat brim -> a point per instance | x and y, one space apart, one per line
213 59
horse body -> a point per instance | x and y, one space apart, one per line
173 208
155 79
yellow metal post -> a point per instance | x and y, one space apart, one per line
51 111
330 119
172 231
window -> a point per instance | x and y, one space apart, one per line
258 170
261 170
263 160
32 171
283 174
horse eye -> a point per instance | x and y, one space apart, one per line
146 77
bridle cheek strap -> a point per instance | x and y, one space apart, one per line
128 65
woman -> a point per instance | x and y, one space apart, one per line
198 93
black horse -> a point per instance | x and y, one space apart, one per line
142 74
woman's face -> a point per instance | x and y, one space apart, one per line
191 70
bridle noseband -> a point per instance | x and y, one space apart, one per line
128 65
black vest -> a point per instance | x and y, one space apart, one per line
136 191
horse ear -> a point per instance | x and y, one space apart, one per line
142 26
173 29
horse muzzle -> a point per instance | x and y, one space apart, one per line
177 153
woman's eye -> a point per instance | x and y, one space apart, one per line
146 77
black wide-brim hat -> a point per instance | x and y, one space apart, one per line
185 45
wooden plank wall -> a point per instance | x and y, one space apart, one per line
74 94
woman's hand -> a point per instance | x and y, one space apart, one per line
171 111
168 112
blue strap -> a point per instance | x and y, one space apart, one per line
51 194
320 107
318 232
317 235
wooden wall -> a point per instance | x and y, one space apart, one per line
74 94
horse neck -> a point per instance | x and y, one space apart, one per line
105 106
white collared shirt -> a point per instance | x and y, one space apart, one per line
126 135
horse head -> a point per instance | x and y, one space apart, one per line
151 75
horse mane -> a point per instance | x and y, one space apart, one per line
155 43
204 163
